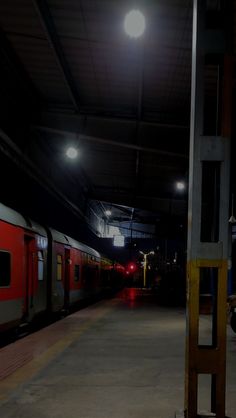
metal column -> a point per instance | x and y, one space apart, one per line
208 252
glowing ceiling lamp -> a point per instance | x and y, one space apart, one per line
134 24
72 153
180 186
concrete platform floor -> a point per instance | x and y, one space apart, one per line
122 358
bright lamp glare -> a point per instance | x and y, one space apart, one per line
72 153
180 186
119 241
134 23
108 212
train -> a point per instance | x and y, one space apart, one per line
45 272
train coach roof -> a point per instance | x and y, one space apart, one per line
15 218
64 239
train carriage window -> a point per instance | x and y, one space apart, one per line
5 269
76 273
40 265
59 267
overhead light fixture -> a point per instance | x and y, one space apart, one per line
180 185
134 24
146 254
119 241
72 153
108 212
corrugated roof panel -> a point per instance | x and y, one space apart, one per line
93 15
38 59
27 37
68 18
104 63
87 31
120 164
95 70
20 17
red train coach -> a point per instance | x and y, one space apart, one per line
44 271
112 275
75 271
23 273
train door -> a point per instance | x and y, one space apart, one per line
67 278
30 253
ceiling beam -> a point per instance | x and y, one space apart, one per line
148 194
115 143
160 205
161 135
47 22
100 113
140 82
139 117
11 61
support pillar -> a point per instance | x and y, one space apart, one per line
208 212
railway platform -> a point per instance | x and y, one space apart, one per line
119 358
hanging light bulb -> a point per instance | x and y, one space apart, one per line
72 153
134 24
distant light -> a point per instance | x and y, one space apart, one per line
180 185
132 267
72 153
134 23
108 212
146 254
119 241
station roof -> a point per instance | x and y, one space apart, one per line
70 75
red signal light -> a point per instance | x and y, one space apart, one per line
131 267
